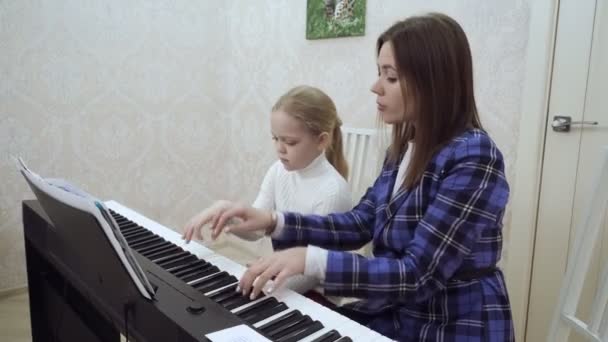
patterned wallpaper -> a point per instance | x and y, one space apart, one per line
164 106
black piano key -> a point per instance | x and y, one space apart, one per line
135 238
144 245
329 336
192 269
217 284
151 254
133 234
131 241
207 279
277 323
147 249
124 221
128 225
262 315
345 339
302 332
165 245
228 296
185 259
263 304
236 302
172 258
186 266
290 326
162 255
132 228
153 243
124 226
224 293
159 252
121 220
198 266
205 271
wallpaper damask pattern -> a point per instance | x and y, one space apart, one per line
164 106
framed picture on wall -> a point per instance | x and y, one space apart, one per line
335 18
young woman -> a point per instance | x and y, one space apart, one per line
434 213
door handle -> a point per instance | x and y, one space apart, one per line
563 123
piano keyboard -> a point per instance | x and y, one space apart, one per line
283 316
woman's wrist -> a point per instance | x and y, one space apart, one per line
273 223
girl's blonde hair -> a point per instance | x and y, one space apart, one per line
317 111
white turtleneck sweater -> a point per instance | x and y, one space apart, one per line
316 189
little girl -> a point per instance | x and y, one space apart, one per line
309 175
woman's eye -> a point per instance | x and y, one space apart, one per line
391 79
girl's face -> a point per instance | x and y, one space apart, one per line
391 107
296 146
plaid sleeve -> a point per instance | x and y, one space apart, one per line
341 231
471 198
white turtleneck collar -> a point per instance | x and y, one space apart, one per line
316 167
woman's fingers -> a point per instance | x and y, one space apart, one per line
261 281
280 278
253 271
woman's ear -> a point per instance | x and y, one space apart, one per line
323 141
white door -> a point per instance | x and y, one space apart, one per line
579 90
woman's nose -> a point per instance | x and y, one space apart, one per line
376 88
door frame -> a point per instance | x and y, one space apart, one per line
528 166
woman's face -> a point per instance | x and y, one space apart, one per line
295 145
391 106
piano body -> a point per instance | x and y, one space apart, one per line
195 290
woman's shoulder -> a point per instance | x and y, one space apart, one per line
471 143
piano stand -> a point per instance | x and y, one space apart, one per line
58 311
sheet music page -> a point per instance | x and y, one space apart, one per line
71 195
240 333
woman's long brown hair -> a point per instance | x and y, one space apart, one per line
435 68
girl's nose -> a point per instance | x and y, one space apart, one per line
280 148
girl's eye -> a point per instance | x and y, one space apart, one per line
290 143
275 139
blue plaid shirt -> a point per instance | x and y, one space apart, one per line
424 239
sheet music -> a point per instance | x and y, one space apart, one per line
71 195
